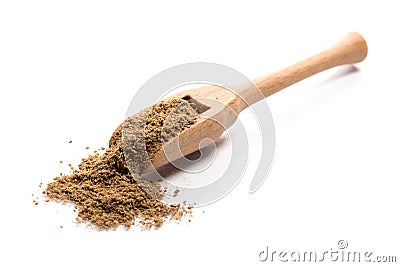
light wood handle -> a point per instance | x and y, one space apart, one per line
351 49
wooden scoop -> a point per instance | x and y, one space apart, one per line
222 106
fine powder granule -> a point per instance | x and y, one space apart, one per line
104 187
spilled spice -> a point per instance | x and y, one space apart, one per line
104 187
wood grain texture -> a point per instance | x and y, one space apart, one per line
225 105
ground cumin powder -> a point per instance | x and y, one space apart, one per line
104 190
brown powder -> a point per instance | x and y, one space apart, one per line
104 187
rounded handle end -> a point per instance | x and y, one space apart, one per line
354 48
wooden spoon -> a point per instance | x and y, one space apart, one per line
222 106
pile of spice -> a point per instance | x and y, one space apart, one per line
104 187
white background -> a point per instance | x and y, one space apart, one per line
68 70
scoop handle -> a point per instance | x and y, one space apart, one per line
351 49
